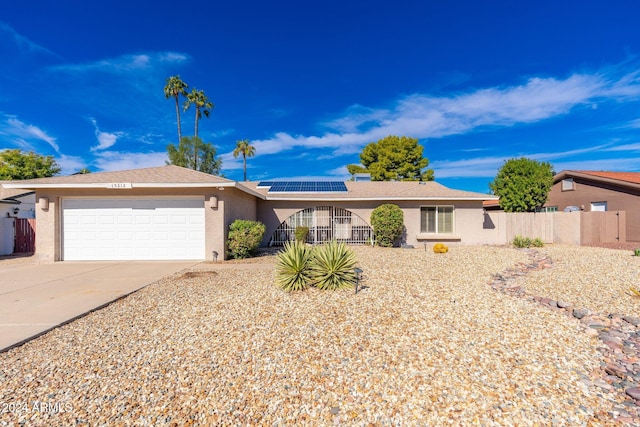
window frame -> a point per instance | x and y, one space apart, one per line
423 208
571 184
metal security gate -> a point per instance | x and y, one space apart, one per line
325 223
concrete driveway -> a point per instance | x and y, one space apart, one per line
35 298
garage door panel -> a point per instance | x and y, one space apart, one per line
144 229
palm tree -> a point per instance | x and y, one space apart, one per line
243 147
173 89
202 103
203 106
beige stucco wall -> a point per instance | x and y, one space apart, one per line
468 218
235 204
618 199
49 232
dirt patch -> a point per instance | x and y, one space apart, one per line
196 274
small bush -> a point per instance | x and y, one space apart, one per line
636 252
302 233
387 221
521 242
293 266
332 266
440 248
526 242
244 238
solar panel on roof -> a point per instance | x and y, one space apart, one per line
265 183
307 187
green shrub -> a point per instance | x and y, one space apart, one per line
302 233
388 222
636 252
526 242
332 266
521 242
244 238
293 266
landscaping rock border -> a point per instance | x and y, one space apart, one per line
620 335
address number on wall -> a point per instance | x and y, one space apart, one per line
119 185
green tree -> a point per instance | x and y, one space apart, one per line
522 184
394 158
17 164
243 147
175 88
192 148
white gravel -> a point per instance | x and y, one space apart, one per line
427 343
595 278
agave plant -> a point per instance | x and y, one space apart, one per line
293 266
332 266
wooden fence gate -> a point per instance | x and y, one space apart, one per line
25 235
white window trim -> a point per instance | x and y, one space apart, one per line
572 187
453 220
600 203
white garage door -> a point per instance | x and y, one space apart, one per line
133 229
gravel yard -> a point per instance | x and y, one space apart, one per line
591 277
427 343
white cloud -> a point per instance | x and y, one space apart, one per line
488 166
626 164
22 43
107 161
478 167
424 116
624 147
70 164
125 63
25 134
105 139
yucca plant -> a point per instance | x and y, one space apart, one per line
293 266
332 266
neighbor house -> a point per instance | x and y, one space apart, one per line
171 212
591 191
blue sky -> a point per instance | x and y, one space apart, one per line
311 83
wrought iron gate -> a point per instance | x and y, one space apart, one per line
325 223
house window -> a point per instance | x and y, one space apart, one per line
548 209
436 219
567 184
598 206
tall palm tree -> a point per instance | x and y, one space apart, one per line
202 103
203 106
174 88
243 147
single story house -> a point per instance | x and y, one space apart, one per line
170 212
592 191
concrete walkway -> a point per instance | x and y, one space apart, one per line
35 298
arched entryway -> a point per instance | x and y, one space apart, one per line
325 223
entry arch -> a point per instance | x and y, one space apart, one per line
325 223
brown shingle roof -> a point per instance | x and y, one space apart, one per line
169 174
379 190
633 177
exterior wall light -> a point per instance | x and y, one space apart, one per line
43 202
